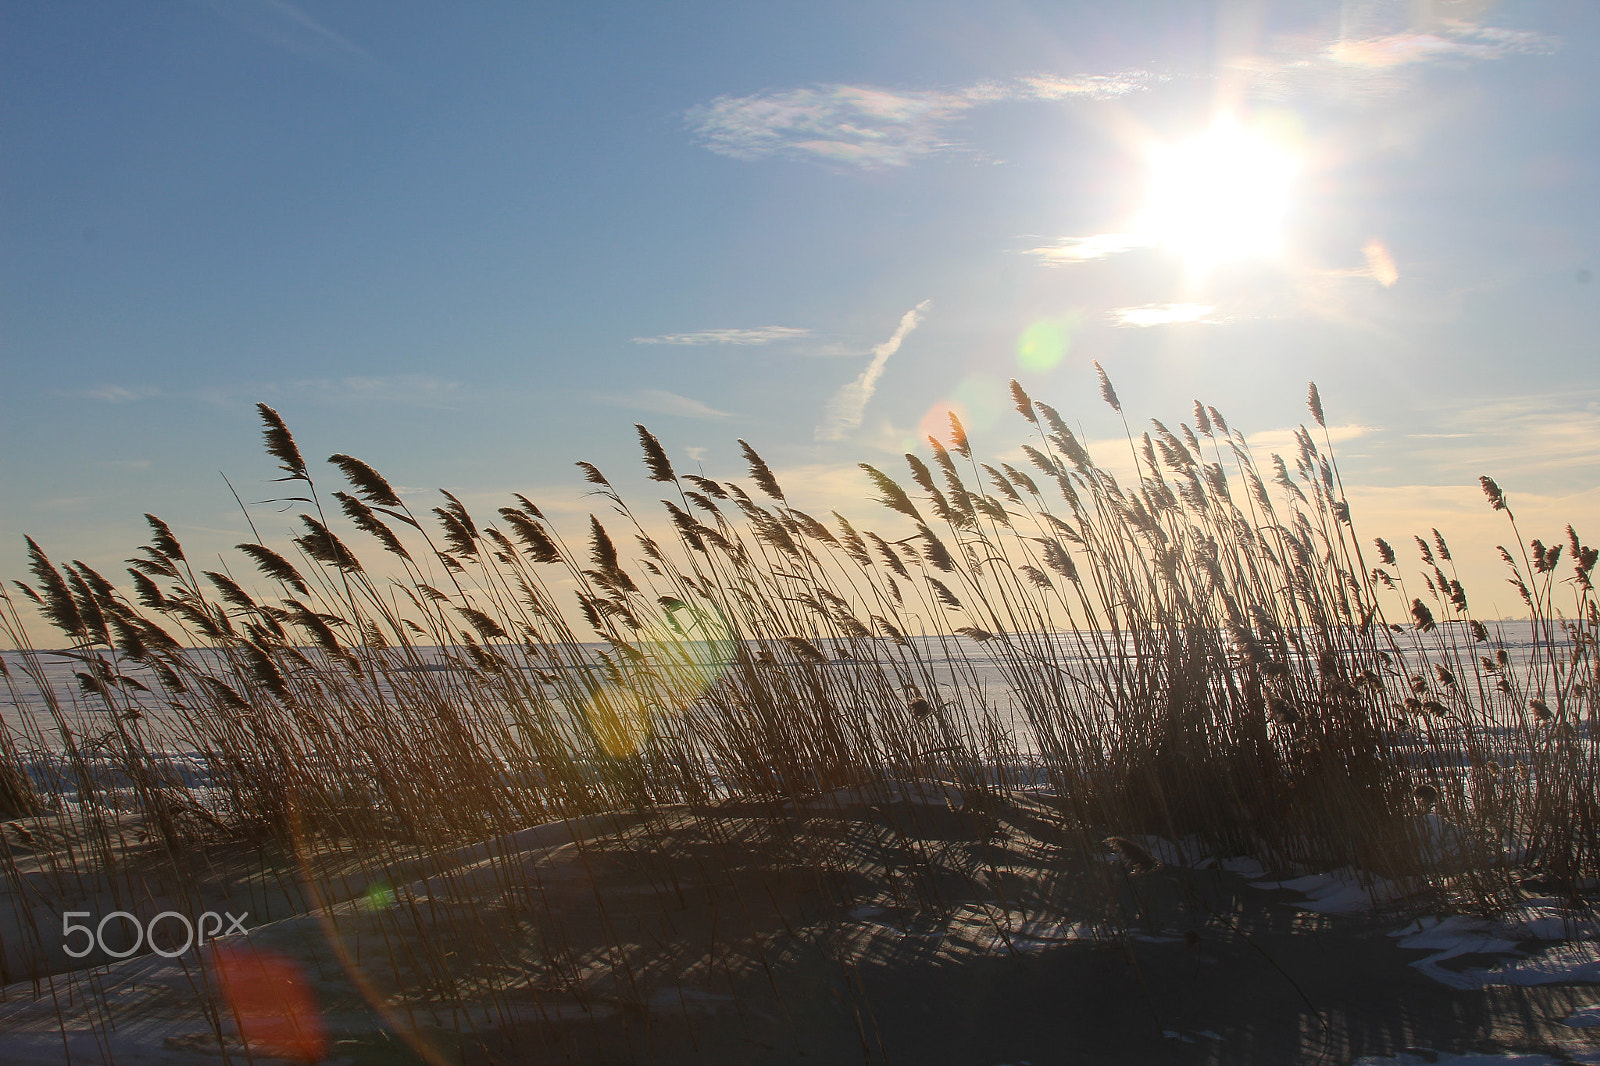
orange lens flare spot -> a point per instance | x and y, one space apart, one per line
936 422
270 1001
1380 264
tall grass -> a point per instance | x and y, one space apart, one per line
1205 649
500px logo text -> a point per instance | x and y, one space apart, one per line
195 932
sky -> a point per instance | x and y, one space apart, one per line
473 244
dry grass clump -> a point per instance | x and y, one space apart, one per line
1188 653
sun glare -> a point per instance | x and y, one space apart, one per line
1221 195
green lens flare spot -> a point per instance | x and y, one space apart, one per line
1043 344
378 896
673 659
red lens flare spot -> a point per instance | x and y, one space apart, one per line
270 1001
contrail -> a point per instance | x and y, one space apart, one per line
848 404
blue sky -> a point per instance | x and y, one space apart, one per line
473 244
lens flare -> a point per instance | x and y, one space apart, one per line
269 1000
681 653
378 896
1045 343
936 422
654 668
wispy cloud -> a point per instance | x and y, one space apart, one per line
1379 54
409 390
1456 42
67 504
763 335
1083 249
286 26
122 393
1066 87
850 402
397 390
1283 441
402 390
868 127
661 402
1550 440
1164 314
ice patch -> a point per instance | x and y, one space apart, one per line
1448 938
1562 964
1575 960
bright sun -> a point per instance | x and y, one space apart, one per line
1221 195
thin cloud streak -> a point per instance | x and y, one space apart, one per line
763 335
1164 315
409 390
284 25
1469 42
405 390
65 504
1084 249
122 393
850 402
1541 438
1283 441
869 127
662 402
